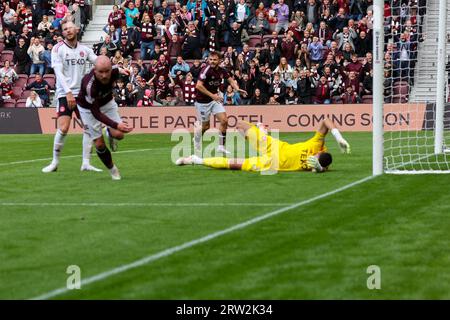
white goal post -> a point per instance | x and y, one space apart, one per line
416 144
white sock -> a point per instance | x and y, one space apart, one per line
337 135
87 148
198 132
113 169
58 145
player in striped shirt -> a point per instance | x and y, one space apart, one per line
69 60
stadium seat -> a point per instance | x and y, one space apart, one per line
31 79
25 94
2 46
17 92
50 78
9 103
367 99
254 40
7 55
21 103
21 81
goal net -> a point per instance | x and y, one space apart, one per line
416 126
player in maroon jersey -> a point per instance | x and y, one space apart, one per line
209 100
97 105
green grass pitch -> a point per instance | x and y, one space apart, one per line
320 250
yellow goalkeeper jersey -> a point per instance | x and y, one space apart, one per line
290 157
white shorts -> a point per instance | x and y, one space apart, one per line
94 127
204 110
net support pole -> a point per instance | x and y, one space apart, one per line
378 86
440 92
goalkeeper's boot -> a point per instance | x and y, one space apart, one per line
221 149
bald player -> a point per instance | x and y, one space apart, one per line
97 106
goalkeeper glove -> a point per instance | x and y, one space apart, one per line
314 164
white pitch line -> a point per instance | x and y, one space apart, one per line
75 156
190 244
150 204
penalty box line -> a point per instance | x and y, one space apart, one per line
76 156
142 204
170 251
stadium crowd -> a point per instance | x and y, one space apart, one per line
280 51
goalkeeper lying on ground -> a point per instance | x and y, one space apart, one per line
278 155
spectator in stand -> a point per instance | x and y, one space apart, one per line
352 81
248 85
36 51
16 26
120 94
284 70
354 65
60 12
44 27
21 59
131 13
323 92
324 34
188 88
288 48
315 49
282 13
8 15
312 12
6 88
174 46
363 44
242 12
34 101
165 10
109 46
9 40
180 68
304 57
277 89
259 24
125 48
115 18
368 83
41 87
258 98
304 88
346 36
114 34
7 71
148 32
212 42
191 45
339 22
350 96
231 97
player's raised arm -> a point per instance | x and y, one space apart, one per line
235 86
